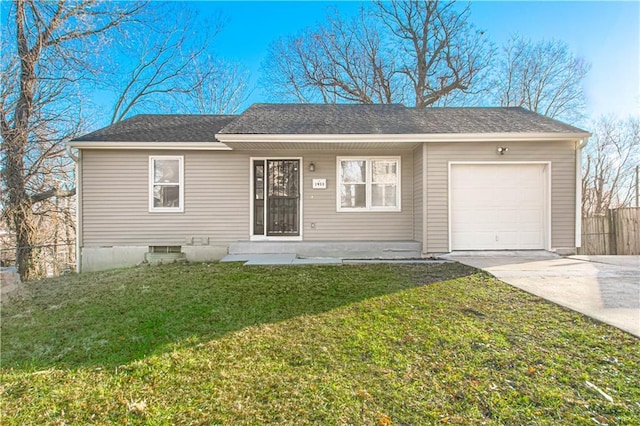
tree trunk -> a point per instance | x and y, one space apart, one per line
23 219
16 140
69 231
55 219
45 36
19 207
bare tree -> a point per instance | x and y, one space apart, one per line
545 77
222 88
443 54
164 61
44 57
609 166
339 60
426 51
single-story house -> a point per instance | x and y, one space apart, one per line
328 180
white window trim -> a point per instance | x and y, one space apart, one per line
179 209
368 183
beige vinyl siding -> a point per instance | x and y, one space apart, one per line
115 192
417 193
560 154
116 199
319 207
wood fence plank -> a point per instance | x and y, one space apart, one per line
616 233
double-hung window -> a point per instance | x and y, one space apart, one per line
368 184
166 183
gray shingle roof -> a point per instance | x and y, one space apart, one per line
486 120
389 119
292 119
162 128
320 119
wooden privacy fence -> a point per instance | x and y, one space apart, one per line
617 232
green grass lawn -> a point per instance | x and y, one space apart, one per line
351 344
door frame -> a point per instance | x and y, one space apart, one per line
547 195
264 237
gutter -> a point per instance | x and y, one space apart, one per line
78 177
72 155
425 222
412 138
200 146
579 146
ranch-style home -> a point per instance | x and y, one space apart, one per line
359 181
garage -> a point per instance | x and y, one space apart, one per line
499 206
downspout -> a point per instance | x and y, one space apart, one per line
579 145
78 177
425 245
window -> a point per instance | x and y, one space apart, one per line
368 184
166 190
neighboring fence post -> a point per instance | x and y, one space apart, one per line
637 186
613 242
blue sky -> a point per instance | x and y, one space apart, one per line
605 33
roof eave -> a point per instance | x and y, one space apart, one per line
200 146
405 138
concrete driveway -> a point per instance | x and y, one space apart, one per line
606 288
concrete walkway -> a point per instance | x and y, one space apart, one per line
293 259
277 259
606 288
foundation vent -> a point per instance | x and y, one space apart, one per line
165 249
165 254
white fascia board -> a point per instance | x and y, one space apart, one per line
200 146
413 138
510 137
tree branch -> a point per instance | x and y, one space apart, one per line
53 192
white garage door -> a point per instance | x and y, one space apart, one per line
498 206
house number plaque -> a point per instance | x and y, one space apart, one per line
319 184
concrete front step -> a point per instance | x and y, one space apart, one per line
332 249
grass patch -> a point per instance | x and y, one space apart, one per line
351 344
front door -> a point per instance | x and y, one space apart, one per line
276 198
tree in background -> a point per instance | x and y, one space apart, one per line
223 87
44 58
423 52
53 54
155 64
545 77
167 66
337 60
609 163
440 53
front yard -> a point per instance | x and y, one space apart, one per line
351 344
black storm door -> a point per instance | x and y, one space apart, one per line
277 189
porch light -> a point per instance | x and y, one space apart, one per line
312 167
502 150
